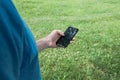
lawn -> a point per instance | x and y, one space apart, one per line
95 54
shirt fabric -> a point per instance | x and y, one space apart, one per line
18 51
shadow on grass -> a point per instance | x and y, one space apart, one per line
107 64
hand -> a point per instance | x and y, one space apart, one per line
50 40
53 37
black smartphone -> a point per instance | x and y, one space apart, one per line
64 41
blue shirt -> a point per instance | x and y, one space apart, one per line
18 51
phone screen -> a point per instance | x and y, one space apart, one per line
69 34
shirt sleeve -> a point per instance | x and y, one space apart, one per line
30 69
18 51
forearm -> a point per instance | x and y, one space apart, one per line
42 44
50 40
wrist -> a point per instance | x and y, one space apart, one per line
42 44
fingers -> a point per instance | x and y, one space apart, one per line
59 32
72 40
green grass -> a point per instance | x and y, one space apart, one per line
95 54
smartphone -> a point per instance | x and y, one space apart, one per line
64 41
